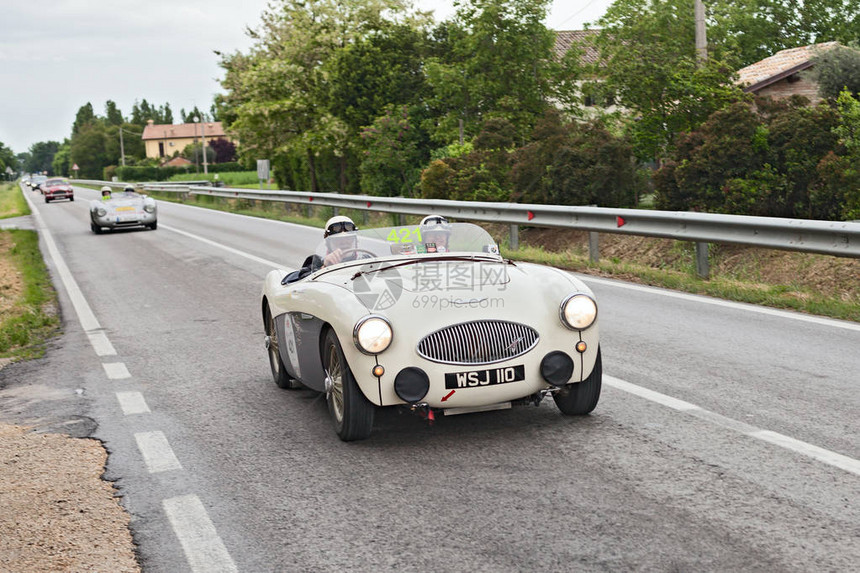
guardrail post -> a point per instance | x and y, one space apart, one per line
593 246
366 218
400 220
514 242
703 268
335 211
310 212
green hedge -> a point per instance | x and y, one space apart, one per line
142 173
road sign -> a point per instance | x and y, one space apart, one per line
263 169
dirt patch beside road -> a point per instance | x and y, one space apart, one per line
57 512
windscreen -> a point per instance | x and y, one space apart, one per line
407 240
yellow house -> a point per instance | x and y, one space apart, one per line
165 140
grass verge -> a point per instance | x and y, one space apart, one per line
814 284
12 202
28 302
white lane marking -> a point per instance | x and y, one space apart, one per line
116 370
132 403
85 314
156 452
101 344
724 303
225 247
204 550
797 446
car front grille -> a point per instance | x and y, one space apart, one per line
478 342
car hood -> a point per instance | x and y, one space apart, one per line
469 289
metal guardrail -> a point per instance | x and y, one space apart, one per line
837 238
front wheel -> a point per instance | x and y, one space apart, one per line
153 226
279 371
581 398
96 229
350 411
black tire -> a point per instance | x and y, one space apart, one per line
47 200
153 226
581 398
351 413
279 371
71 198
96 229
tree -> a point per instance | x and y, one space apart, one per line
41 156
836 70
277 97
389 167
497 60
224 149
113 116
8 158
61 163
88 149
648 60
756 29
85 116
189 117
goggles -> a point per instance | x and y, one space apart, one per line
435 221
340 227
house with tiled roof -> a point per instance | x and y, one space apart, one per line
779 76
163 140
567 39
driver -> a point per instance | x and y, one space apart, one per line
339 238
105 193
435 232
129 189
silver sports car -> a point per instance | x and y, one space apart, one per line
123 209
440 325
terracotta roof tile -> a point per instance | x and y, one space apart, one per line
182 130
566 39
779 63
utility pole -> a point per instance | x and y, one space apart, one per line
203 137
701 35
121 147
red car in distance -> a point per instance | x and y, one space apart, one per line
57 189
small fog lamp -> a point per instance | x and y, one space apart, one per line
378 370
581 346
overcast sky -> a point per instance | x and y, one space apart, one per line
57 55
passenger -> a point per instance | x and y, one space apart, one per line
106 193
435 232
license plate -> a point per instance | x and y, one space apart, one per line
125 208
486 377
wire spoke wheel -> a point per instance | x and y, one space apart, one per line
352 414
335 392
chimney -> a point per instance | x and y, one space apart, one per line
150 121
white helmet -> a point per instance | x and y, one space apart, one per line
105 188
435 223
339 224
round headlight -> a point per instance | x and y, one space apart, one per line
149 208
578 311
372 334
101 212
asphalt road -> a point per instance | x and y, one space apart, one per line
726 438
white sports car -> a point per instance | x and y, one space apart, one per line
123 209
436 328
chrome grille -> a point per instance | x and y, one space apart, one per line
478 342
